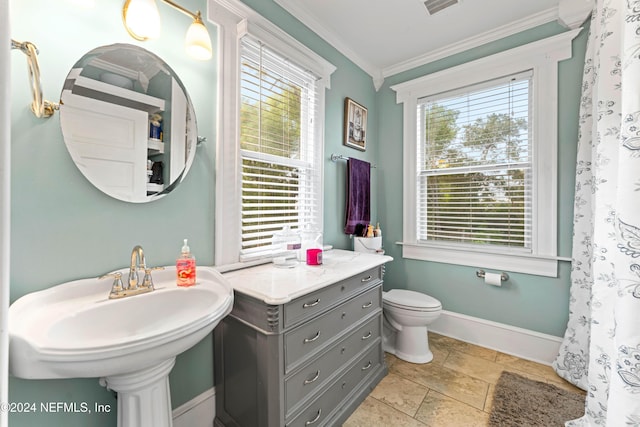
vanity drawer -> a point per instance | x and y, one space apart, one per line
318 412
315 374
304 340
315 302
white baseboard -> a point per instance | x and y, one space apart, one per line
524 343
197 412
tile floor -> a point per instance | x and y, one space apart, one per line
455 389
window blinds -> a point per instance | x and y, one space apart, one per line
280 170
475 164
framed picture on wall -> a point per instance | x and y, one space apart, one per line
355 125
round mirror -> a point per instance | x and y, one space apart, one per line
128 123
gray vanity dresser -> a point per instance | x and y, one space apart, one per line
302 346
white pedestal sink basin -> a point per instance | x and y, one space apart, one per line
74 330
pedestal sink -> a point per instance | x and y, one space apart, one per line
74 330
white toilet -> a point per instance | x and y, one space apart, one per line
406 316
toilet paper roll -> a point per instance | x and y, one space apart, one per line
494 279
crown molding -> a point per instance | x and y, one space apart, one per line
569 13
573 13
301 14
510 29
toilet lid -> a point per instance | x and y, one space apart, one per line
411 299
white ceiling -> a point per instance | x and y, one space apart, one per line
385 37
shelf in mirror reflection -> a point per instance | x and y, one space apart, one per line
155 146
99 90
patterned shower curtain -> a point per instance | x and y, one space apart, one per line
601 348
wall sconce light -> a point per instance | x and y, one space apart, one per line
142 21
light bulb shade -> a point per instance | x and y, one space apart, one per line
141 19
197 42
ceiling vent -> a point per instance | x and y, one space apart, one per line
435 6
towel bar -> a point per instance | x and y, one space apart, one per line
336 157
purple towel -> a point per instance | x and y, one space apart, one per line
358 194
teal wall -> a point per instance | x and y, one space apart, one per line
531 302
64 229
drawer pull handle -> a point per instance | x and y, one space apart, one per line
364 368
313 379
367 305
311 304
366 279
313 421
308 340
366 337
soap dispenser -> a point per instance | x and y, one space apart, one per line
186 267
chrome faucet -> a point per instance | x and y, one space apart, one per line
137 261
119 290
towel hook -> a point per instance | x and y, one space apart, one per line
39 106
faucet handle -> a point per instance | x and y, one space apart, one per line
115 274
147 282
116 287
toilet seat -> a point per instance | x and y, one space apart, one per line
410 300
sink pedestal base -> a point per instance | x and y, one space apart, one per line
144 399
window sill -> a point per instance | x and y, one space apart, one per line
518 263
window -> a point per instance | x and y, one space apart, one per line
280 171
480 159
269 134
475 164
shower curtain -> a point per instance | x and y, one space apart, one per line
601 348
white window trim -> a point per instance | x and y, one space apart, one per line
234 19
542 57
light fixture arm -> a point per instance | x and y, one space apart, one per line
142 21
195 16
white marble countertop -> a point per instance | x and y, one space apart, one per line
275 285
